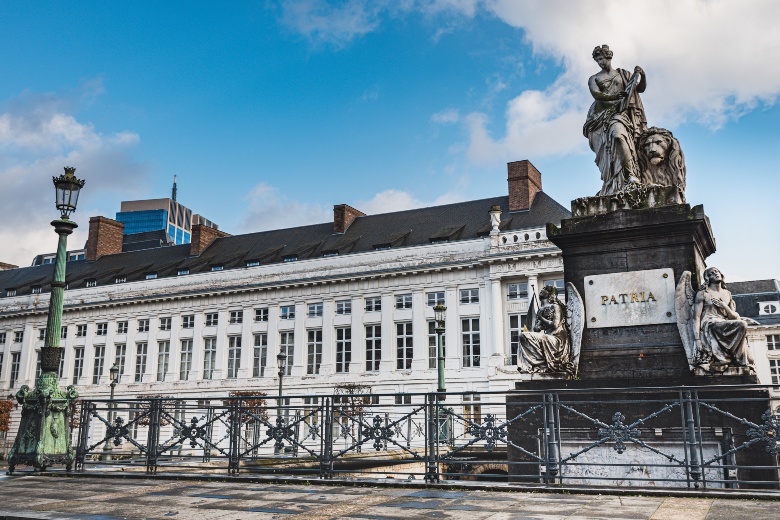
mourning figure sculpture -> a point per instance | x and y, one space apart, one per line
713 334
661 160
615 120
554 344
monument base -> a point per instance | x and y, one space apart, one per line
675 237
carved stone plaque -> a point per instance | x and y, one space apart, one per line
628 299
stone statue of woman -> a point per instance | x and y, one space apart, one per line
549 347
615 120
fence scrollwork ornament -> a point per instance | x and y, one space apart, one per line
619 432
767 432
377 432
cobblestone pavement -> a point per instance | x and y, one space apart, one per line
110 498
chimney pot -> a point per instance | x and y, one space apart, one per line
202 236
105 238
524 182
343 216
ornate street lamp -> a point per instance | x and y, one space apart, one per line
281 362
439 311
114 376
43 438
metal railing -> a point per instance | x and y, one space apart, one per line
723 437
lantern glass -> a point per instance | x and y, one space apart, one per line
68 188
114 371
281 360
439 311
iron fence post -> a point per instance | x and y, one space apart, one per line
235 436
153 436
431 461
326 451
694 469
552 444
85 415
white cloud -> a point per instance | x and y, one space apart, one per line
334 23
397 200
38 137
269 209
446 116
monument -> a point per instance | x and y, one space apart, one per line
652 318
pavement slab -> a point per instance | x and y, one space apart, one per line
100 498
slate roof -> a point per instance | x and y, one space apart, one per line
451 222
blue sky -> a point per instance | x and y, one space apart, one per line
272 112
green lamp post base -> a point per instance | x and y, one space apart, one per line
44 432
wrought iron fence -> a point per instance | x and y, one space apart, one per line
698 437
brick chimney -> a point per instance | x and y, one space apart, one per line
343 216
524 181
202 236
105 238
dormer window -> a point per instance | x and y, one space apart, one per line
290 258
151 276
10 292
119 279
330 253
36 289
217 267
182 272
765 308
252 263
381 247
92 283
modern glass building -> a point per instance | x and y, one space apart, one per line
140 216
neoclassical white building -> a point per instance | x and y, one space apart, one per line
349 301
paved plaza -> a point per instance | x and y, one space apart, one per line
114 498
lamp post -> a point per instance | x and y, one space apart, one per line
439 311
44 432
114 375
281 362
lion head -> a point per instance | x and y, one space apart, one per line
661 159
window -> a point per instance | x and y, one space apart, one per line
1 362
42 334
182 272
774 369
404 346
38 370
344 307
165 323
92 283
18 336
472 409
558 284
218 267
515 291
81 331
373 347
16 358
121 351
403 399
100 353
315 310
63 332
140 361
768 308
314 351
374 304
343 349
187 321
469 296
36 289
433 298
234 356
121 327
236 316
143 325
252 263
433 346
120 279
2 338
212 318
772 342
10 292
261 314
163 358
287 346
185 364
62 366
470 335
209 357
290 258
516 323
78 364
261 353
101 329
151 276
403 301
288 312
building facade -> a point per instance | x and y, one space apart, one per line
347 302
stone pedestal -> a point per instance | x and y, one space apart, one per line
675 237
